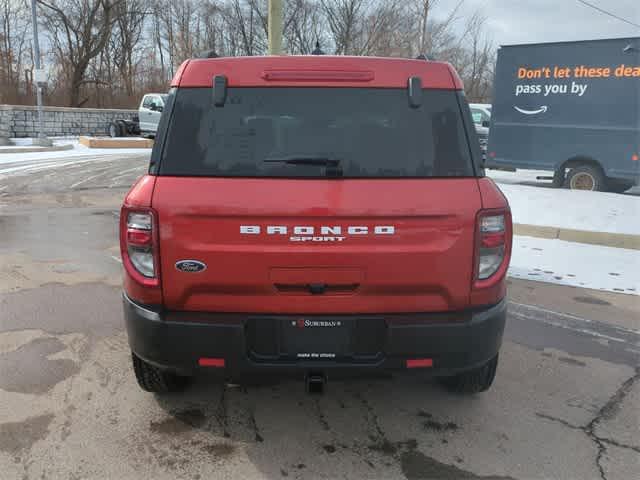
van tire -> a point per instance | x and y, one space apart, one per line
472 381
586 177
558 178
155 380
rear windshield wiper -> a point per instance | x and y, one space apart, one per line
305 160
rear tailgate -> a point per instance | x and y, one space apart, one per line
419 258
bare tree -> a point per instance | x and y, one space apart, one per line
478 58
14 49
129 21
109 52
304 26
378 26
423 8
247 27
79 31
342 18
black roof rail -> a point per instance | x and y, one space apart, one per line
206 54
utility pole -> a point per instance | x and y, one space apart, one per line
275 27
39 78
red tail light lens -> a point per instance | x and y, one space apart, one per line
138 246
492 236
139 238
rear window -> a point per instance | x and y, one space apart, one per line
315 132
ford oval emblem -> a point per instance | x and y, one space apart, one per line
190 266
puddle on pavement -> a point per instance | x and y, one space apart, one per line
16 437
572 361
417 466
591 300
27 369
57 232
63 309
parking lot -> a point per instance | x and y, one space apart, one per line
564 405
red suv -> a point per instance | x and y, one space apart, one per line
315 215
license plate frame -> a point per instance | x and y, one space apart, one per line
318 339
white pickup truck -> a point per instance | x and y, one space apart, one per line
146 123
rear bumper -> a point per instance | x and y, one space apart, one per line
455 341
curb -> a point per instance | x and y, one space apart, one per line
56 148
118 142
606 239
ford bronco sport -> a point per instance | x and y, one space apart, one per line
315 215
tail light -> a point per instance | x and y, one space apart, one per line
139 246
493 245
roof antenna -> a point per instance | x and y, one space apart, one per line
318 50
423 56
206 54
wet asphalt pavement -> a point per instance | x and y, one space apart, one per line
564 404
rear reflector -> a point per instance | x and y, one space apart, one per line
492 240
420 363
139 237
211 362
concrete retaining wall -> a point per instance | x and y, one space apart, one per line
22 121
5 130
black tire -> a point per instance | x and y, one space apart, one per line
124 131
618 186
153 379
472 381
586 177
114 130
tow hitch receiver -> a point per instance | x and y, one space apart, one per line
315 382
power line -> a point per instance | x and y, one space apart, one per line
608 13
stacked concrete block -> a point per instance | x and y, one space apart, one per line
5 127
22 121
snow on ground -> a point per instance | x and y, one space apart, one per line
562 208
25 163
79 150
576 264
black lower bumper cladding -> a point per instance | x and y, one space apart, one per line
290 344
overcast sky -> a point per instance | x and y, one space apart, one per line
530 21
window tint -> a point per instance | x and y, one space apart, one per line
368 132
